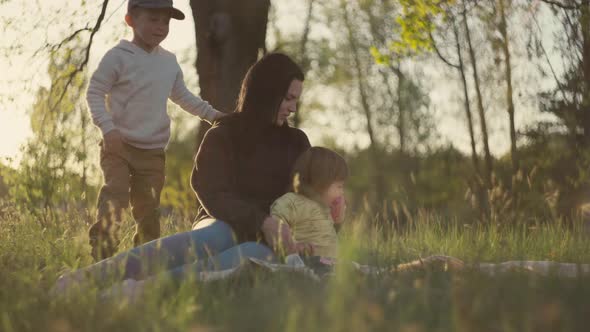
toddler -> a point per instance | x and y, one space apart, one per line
315 207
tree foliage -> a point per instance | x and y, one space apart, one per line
55 169
369 94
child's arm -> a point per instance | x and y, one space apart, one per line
194 105
99 87
283 210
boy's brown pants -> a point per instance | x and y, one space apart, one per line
131 175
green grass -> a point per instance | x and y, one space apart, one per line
32 256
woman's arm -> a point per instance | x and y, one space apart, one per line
213 181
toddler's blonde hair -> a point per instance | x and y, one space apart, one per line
316 169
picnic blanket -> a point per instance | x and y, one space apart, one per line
318 268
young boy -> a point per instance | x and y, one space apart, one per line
127 98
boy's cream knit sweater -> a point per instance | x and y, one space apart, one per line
129 91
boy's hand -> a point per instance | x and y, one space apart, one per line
278 235
220 115
113 142
338 210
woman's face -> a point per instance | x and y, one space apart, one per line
289 103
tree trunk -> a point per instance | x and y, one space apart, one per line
401 120
481 111
461 69
379 39
480 191
378 179
230 35
304 60
585 31
509 94
404 165
84 151
477 187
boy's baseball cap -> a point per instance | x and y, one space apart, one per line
177 14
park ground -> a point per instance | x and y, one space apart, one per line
34 253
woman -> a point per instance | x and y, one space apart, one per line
242 166
244 162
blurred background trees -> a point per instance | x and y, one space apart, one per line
388 81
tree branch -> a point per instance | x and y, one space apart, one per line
562 5
305 35
82 65
557 81
69 38
440 56
56 47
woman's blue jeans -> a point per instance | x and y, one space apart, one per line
210 246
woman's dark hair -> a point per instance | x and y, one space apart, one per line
316 169
265 85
